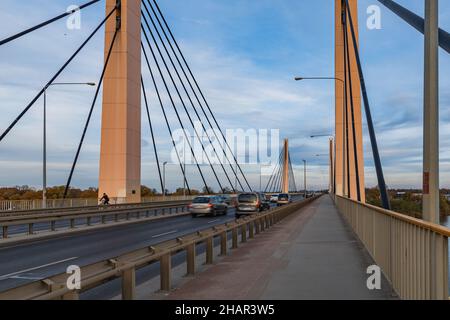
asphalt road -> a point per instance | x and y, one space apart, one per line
29 262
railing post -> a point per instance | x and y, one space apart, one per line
165 272
223 243
261 223
53 225
244 233
129 284
72 223
234 233
209 250
251 230
30 228
190 259
257 226
88 222
103 219
5 232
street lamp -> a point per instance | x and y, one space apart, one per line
304 176
164 179
343 127
44 147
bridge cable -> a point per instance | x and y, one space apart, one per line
279 174
416 22
202 95
165 117
43 24
182 103
12 125
187 94
69 180
373 139
348 72
278 167
174 106
195 95
346 156
272 175
152 134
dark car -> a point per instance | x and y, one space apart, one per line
251 203
208 205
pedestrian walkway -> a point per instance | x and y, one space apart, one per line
312 254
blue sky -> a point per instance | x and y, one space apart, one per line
245 54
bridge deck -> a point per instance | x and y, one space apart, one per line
312 254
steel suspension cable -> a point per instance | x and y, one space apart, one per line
45 23
69 180
373 139
202 95
174 107
352 111
165 117
272 175
346 157
152 134
182 102
12 125
195 94
188 96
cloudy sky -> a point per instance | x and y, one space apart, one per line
245 54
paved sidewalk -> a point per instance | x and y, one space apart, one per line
312 254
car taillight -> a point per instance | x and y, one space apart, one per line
258 204
190 205
210 205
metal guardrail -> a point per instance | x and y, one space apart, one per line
412 253
37 204
48 221
125 266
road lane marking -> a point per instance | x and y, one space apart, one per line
10 275
213 221
164 234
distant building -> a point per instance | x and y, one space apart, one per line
400 194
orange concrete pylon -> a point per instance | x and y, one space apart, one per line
344 134
285 188
120 155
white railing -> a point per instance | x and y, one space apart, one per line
19 205
412 253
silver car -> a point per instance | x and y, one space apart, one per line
208 205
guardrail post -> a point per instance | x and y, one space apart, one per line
128 216
72 223
244 233
165 272
53 225
209 250
30 228
261 222
129 284
234 238
251 230
223 243
256 226
88 221
116 217
5 232
190 259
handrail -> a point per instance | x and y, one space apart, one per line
413 254
71 217
444 231
126 264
